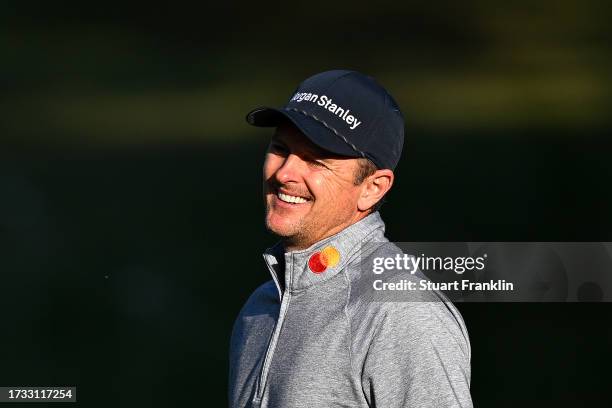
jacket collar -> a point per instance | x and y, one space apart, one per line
301 269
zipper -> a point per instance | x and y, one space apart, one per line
261 385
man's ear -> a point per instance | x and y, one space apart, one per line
374 188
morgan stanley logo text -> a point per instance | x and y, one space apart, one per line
327 103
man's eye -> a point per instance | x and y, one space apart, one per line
317 163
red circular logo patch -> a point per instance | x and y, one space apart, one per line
315 264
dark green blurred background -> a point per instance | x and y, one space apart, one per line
130 210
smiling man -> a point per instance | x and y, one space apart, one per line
312 336
311 193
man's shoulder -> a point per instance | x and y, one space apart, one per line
428 312
264 294
258 313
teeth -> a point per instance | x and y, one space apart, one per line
291 199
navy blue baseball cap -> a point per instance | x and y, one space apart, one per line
343 112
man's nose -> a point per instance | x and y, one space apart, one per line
291 169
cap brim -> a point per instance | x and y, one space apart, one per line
314 130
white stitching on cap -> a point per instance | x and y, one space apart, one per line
330 128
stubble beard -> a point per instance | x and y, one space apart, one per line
294 235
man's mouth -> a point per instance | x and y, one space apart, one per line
290 198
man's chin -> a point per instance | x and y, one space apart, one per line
283 227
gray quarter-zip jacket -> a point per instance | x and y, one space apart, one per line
319 340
